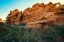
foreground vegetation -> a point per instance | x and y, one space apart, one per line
52 33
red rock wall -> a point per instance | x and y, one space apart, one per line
37 12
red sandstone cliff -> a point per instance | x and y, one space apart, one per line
14 17
48 12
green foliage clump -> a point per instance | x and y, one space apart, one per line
20 34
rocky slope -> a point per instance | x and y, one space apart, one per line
48 12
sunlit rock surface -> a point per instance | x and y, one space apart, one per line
14 17
1 20
39 12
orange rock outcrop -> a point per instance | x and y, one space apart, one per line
14 17
1 20
38 12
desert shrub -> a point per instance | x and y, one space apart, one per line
19 34
55 31
22 24
1 24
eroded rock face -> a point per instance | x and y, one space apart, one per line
38 12
14 17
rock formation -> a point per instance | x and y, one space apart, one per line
1 20
14 17
48 12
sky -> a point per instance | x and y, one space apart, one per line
7 5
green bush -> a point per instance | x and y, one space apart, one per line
19 34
